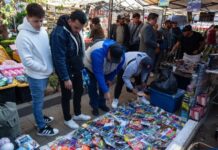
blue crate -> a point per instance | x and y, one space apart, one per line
165 101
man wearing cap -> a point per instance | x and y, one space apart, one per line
191 44
138 66
120 31
103 61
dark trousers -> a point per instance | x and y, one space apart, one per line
119 84
95 93
77 94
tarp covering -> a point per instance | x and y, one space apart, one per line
207 5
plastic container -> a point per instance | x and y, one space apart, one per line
165 101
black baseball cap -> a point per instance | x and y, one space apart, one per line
116 52
147 63
187 28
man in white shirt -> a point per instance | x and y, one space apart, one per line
33 47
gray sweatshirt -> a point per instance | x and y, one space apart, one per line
133 68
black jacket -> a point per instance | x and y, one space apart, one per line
126 33
67 50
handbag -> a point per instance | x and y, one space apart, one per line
8 114
9 120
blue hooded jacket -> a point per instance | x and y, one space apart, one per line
98 60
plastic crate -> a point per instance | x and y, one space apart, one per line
165 101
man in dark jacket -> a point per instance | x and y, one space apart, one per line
148 38
97 32
135 28
120 31
67 46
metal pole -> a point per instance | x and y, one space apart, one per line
110 16
164 16
143 15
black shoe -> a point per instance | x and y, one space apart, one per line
48 119
105 108
95 112
48 131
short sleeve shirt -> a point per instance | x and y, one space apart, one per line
190 44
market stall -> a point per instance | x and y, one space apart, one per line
166 121
13 83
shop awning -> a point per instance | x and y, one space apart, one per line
207 5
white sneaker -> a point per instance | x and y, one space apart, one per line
151 74
82 117
115 103
71 124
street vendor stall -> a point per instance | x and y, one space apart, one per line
13 83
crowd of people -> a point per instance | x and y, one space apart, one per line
130 52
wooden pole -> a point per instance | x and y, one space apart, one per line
110 16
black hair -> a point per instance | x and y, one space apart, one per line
78 15
216 26
152 16
35 10
167 21
187 28
136 15
62 20
95 20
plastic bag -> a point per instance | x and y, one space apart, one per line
166 81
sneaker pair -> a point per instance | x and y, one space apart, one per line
95 111
72 124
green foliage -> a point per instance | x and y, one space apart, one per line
19 17
35 1
9 51
6 43
7 11
53 82
61 7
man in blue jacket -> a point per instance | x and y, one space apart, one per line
67 46
103 61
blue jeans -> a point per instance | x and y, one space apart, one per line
37 89
96 98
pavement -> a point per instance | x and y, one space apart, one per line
205 133
28 123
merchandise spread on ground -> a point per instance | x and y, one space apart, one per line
134 126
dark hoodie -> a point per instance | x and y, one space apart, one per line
67 49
